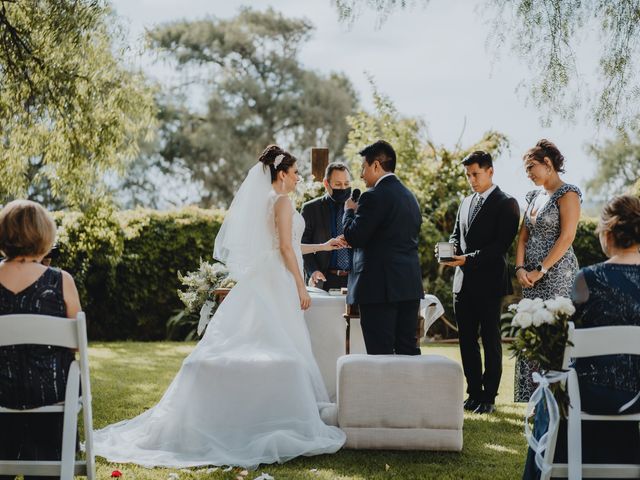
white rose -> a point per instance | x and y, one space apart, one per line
525 305
537 304
565 306
552 305
522 319
542 316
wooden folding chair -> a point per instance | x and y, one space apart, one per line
591 342
63 332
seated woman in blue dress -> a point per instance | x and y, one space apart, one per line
32 375
607 294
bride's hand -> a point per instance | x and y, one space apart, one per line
305 298
335 244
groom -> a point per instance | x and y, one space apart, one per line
385 281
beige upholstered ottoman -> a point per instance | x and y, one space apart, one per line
400 402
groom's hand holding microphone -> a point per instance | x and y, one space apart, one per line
352 203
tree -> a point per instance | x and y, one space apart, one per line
618 165
545 35
432 172
257 93
69 110
152 181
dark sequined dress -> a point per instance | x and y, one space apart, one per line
33 375
608 294
604 294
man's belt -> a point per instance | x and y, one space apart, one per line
339 273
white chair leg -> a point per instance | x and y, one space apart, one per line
70 428
88 438
86 397
574 429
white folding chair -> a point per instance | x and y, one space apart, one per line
591 342
63 332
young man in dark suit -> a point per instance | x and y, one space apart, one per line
486 224
386 281
323 221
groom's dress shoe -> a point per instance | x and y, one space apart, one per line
485 408
471 404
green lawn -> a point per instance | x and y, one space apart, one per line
129 377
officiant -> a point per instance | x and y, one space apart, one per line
323 220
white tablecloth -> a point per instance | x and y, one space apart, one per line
327 329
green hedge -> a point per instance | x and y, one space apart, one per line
126 264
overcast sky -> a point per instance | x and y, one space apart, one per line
432 62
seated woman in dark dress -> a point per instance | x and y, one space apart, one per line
32 375
607 294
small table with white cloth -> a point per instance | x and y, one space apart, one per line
327 329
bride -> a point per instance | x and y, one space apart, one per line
249 393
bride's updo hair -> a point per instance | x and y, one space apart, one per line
268 158
621 218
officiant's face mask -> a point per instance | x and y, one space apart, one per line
339 186
340 195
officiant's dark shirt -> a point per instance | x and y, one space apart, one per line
321 223
338 261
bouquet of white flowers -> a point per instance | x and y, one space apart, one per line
308 190
541 335
199 298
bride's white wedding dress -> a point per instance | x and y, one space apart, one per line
249 392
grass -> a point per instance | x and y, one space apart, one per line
129 377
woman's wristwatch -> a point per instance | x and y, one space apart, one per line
541 268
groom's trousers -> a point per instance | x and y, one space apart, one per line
479 312
390 328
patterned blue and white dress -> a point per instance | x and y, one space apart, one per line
543 234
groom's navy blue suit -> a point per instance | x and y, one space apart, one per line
386 281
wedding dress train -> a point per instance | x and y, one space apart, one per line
248 393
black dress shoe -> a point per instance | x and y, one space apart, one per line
470 404
485 408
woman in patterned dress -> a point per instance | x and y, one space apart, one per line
32 375
545 263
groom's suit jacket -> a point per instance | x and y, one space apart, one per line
485 243
383 233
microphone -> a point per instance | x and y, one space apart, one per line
355 194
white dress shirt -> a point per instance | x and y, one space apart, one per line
384 176
467 205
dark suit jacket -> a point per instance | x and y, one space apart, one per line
317 229
384 236
488 239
